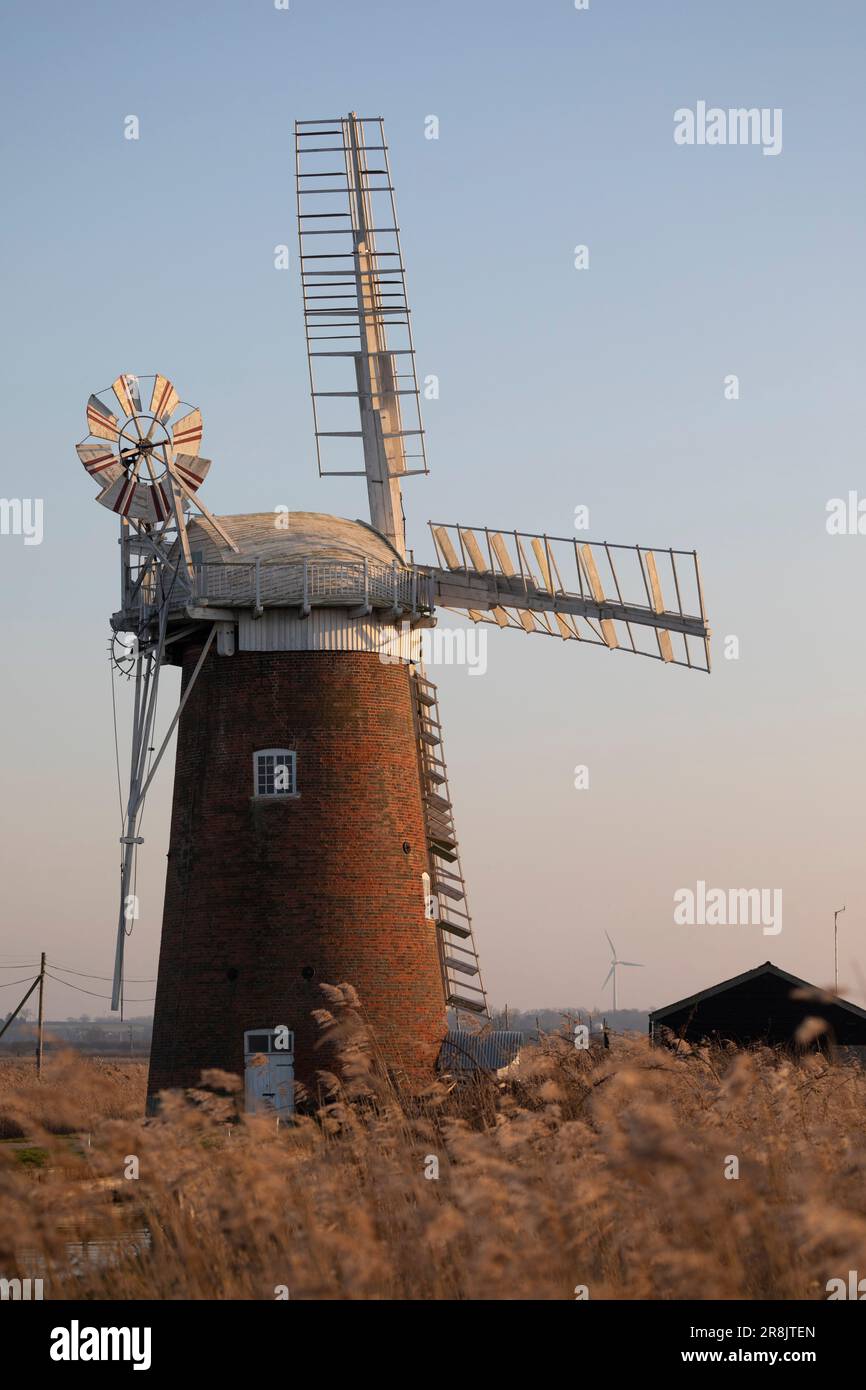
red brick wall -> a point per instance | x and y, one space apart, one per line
257 890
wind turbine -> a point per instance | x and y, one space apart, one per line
612 971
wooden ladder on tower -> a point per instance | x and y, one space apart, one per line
458 957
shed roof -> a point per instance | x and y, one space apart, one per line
463 1051
768 968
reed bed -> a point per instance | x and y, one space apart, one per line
603 1171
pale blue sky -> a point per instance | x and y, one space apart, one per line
558 387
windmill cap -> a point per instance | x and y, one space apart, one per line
275 537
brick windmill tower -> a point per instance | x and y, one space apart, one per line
312 832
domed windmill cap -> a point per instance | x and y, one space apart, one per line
287 537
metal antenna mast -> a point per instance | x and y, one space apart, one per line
836 915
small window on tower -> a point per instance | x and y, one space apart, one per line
275 772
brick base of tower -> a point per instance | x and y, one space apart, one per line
269 897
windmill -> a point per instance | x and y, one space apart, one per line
313 835
614 965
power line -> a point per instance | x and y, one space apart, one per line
93 993
10 983
67 970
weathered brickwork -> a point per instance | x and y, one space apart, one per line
261 892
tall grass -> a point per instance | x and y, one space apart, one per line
597 1169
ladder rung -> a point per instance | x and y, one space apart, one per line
454 928
458 894
441 828
464 950
477 1006
461 966
441 853
450 910
447 875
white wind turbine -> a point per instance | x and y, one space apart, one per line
612 972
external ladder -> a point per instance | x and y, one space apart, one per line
449 908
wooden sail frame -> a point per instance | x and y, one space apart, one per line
609 596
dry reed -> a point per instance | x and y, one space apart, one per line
597 1169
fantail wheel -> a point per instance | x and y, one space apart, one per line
142 455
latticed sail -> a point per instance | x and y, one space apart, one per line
359 336
624 597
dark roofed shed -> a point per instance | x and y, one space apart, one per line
766 1004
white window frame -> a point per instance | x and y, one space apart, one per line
292 757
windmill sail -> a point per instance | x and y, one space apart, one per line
627 597
359 337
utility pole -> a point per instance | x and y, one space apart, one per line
15 1012
836 916
41 1014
